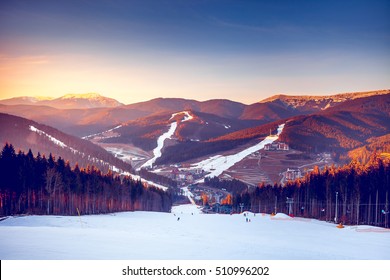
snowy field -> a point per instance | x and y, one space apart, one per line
161 236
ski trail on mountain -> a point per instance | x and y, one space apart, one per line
167 135
216 165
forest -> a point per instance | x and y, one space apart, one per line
232 186
40 185
352 194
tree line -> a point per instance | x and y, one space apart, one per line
355 193
40 185
232 186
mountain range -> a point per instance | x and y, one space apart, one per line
336 124
68 101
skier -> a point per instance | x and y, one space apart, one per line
178 218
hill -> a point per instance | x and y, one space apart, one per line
379 145
25 134
341 128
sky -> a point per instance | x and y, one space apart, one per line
243 50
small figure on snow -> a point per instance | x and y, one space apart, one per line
178 218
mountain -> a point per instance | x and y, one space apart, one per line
68 101
25 134
310 104
86 121
144 132
341 128
337 130
25 100
174 131
219 107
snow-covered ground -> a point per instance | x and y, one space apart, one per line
151 235
187 116
144 181
216 165
105 134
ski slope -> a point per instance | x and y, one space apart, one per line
160 144
157 152
160 236
216 165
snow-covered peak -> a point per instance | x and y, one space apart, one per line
68 101
188 116
320 102
41 98
91 95
84 100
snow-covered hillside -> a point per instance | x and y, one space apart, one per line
74 151
216 165
150 235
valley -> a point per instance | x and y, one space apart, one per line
279 139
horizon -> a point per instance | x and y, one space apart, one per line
201 50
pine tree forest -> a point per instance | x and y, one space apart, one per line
352 194
40 185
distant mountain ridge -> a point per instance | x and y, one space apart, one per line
68 101
309 104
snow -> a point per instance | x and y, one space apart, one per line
51 138
124 154
216 165
91 95
160 236
144 181
112 167
167 135
104 132
160 144
187 117
189 195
